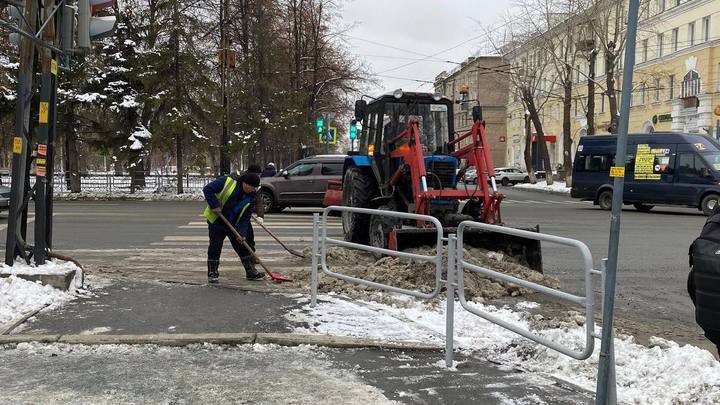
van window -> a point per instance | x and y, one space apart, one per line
594 163
692 169
713 158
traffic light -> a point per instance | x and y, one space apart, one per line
319 124
353 129
90 27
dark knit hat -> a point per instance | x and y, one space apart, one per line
250 179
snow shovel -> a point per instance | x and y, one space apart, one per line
273 276
291 251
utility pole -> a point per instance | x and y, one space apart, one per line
605 381
224 155
15 241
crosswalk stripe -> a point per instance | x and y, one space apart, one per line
193 238
205 244
270 226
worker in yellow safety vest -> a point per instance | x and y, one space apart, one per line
234 196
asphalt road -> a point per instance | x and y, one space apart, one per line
169 239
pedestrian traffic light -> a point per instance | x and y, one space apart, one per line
319 125
89 27
353 129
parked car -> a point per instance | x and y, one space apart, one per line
4 198
302 184
661 169
510 175
503 175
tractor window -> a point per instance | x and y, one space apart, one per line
432 119
368 132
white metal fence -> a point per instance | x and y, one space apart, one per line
110 183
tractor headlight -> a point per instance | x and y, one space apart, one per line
398 94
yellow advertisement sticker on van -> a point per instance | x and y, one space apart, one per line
699 146
617 172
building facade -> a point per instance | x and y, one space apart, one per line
479 81
676 83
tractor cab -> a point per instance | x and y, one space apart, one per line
386 118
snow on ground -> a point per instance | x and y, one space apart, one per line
665 373
204 373
556 187
19 297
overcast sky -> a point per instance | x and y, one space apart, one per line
391 33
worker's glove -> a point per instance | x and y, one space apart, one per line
216 210
259 220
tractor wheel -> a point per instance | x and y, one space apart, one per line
379 230
358 190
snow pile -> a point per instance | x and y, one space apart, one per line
663 374
19 297
415 274
556 187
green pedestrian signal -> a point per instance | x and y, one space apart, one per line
319 125
353 129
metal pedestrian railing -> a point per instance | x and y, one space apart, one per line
459 265
321 243
455 283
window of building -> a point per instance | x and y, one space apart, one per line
577 73
718 81
671 87
691 84
576 107
677 3
661 5
706 29
644 50
657 90
675 38
660 45
602 102
642 93
691 33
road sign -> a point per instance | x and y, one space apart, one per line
329 137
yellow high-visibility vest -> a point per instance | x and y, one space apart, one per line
222 197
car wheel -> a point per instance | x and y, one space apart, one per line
526 179
505 181
605 200
709 203
643 207
268 201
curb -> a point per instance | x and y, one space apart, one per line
179 340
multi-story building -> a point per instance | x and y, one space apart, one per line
482 81
676 83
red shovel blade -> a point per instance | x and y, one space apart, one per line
278 277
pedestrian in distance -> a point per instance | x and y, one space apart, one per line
234 197
703 283
269 170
